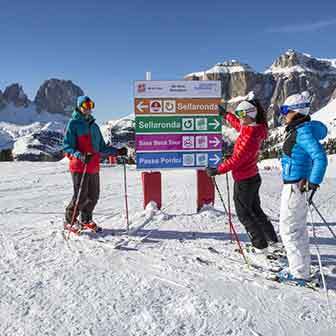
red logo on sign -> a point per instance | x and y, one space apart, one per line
156 106
142 87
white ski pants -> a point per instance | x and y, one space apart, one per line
293 230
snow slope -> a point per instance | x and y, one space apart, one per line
328 116
85 287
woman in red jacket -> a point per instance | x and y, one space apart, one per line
251 123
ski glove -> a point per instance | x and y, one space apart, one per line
222 110
306 186
85 157
212 171
122 151
313 186
302 184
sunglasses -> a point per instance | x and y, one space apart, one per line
88 105
243 113
285 109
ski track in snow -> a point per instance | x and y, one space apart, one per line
49 286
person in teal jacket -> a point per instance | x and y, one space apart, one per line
304 164
83 144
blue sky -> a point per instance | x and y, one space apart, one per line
104 45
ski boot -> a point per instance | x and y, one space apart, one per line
76 228
92 226
286 277
262 259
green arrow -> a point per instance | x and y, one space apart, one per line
178 124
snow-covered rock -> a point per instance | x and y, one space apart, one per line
294 61
296 72
36 142
120 132
227 67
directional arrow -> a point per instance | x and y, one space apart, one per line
140 106
215 159
215 142
215 123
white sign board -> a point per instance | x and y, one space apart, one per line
177 89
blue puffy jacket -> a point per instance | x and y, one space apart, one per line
304 157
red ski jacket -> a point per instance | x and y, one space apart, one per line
243 162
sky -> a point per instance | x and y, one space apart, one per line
104 45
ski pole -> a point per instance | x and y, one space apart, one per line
74 215
229 204
318 252
220 195
231 226
125 192
310 199
323 219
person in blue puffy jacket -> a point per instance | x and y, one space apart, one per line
304 163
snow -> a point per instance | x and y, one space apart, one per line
85 287
238 99
275 164
328 116
18 123
332 61
227 67
304 66
6 141
24 116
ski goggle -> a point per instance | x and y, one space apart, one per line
285 109
244 113
88 105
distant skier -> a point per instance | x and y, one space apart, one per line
251 123
83 143
304 163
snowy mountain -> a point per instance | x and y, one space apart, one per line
292 72
22 131
120 131
227 67
292 61
43 144
33 130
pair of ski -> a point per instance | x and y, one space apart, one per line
269 273
128 241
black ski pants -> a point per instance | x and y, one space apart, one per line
249 212
88 197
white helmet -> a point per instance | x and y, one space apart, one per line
248 108
298 103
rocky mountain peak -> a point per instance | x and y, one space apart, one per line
294 61
57 96
226 67
14 94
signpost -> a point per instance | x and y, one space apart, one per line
178 126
